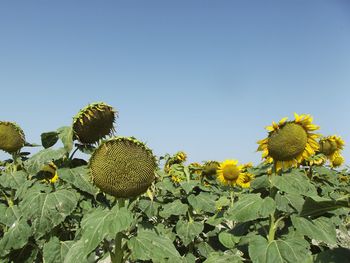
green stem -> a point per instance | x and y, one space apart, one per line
71 157
273 227
232 196
118 255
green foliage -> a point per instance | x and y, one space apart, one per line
299 215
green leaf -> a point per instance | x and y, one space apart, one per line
188 186
103 223
250 207
294 182
150 208
317 206
55 250
75 252
223 257
278 251
13 180
335 255
49 139
228 240
260 182
66 136
9 214
187 231
205 249
289 202
15 237
147 245
79 178
174 208
202 202
36 162
47 210
320 229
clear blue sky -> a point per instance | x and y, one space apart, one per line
202 76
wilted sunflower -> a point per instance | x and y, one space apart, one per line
289 142
331 147
11 137
228 172
177 158
210 168
195 168
123 167
318 159
94 122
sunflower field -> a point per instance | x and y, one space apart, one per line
124 204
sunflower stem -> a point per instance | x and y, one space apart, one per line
71 157
118 254
232 196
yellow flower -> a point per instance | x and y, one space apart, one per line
244 180
228 172
318 159
331 147
289 143
176 179
49 173
344 178
181 156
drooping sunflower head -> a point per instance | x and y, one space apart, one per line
210 168
289 143
331 147
337 160
180 156
177 158
123 167
11 137
195 168
94 122
48 173
228 172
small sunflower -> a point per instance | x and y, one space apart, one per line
331 147
210 168
228 172
318 159
244 180
344 178
289 142
177 158
48 173
195 169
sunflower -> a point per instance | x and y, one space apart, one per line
289 142
244 180
210 169
331 147
11 137
318 159
228 172
177 158
48 173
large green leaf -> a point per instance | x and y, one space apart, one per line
79 178
49 139
187 231
66 136
36 162
278 251
317 206
13 180
174 208
320 229
228 240
150 208
251 207
55 251
9 214
103 223
202 202
289 202
294 182
47 210
15 237
147 245
75 252
223 257
335 255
